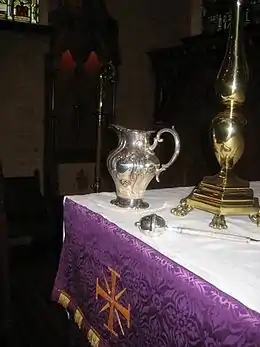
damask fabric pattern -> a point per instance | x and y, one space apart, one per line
169 305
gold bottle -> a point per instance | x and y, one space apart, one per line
225 193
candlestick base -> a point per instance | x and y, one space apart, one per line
221 195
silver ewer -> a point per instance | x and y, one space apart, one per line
133 164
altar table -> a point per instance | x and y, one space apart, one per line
125 289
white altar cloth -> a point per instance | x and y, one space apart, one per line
233 267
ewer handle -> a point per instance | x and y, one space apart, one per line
177 143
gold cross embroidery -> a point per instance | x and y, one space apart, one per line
112 302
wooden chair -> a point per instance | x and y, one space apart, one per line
26 211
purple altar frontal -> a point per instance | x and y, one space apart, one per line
123 289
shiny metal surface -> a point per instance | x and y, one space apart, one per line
134 204
233 75
151 225
133 164
225 193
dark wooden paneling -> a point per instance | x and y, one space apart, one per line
4 264
85 39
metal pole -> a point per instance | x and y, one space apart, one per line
107 75
99 134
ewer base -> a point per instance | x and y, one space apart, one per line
135 204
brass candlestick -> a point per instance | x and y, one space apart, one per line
225 193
